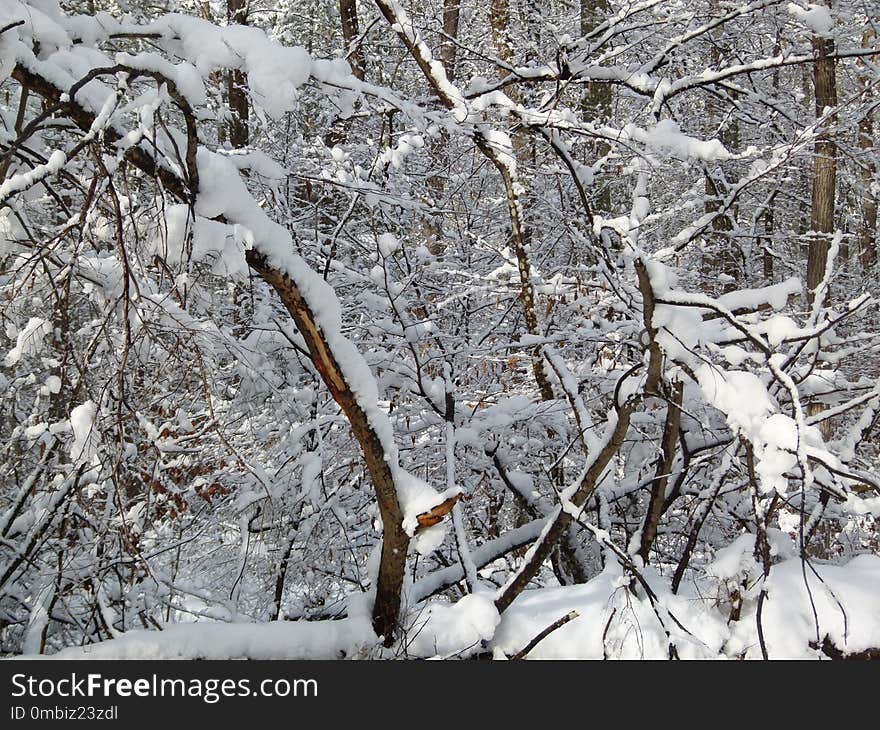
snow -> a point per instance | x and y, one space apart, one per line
632 629
666 136
29 341
183 75
749 410
612 621
222 244
24 180
734 560
429 539
388 244
775 295
737 560
458 629
273 640
788 620
680 329
274 72
500 142
817 17
778 328
740 395
7 53
82 421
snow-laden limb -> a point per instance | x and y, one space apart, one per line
815 16
666 137
433 69
274 72
212 183
481 555
24 180
29 341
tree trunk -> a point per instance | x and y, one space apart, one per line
431 229
448 47
868 228
824 165
824 182
596 102
661 475
236 84
351 35
723 256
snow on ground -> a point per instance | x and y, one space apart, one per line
273 640
612 622
788 617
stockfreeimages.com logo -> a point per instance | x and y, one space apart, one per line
208 690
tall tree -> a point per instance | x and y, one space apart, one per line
868 164
236 83
824 162
596 101
351 35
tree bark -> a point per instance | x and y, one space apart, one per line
596 102
448 47
430 228
351 36
723 258
236 84
664 467
824 165
868 228
824 182
395 541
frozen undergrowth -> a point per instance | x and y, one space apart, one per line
612 622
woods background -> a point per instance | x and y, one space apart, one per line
388 329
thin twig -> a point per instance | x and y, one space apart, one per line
570 616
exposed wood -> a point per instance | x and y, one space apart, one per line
436 514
